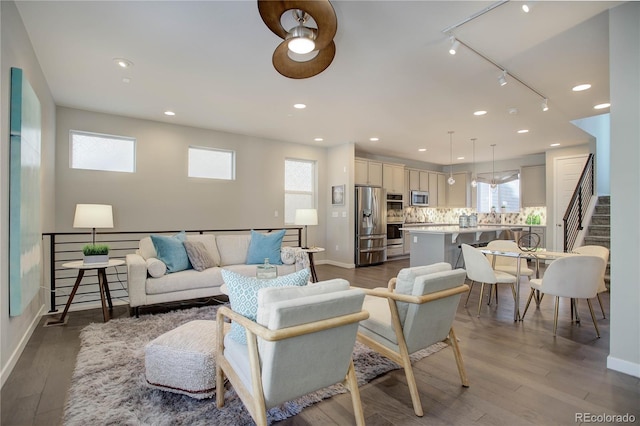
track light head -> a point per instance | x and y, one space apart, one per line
454 46
545 105
502 80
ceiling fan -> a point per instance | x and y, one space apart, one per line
313 48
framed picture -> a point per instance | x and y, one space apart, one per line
337 195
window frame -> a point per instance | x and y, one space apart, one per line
212 149
314 186
134 140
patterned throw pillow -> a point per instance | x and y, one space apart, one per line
243 295
172 252
263 246
199 255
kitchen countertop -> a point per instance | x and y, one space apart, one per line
455 229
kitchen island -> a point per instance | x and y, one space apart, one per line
432 244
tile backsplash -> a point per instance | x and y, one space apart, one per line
447 215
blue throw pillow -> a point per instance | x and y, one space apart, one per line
243 295
172 252
263 246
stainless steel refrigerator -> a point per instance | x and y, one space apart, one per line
371 225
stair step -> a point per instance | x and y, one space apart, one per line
604 199
599 219
603 209
599 230
591 240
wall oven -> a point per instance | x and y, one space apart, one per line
419 198
394 234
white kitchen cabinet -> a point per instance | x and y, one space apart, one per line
368 172
533 186
442 191
433 189
393 178
424 180
418 180
458 193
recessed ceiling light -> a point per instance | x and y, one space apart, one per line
460 158
299 106
169 113
555 144
523 131
123 63
480 112
581 87
318 139
602 106
422 149
374 139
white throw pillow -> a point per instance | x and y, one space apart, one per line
156 267
147 249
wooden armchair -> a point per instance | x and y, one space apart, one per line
414 312
302 341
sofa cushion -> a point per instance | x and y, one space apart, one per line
185 280
199 256
265 246
209 241
233 249
171 251
147 249
156 267
243 294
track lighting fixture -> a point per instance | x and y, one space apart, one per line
454 46
451 180
503 78
545 105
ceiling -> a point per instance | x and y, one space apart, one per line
392 76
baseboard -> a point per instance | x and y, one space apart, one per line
334 263
626 367
15 356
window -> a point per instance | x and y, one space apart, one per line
506 192
299 187
93 151
212 163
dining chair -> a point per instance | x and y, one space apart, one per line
602 252
302 341
415 311
575 277
479 270
508 264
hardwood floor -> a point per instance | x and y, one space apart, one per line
519 373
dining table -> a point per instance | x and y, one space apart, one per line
534 254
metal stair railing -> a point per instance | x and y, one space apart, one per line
574 216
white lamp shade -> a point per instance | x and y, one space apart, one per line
93 216
306 217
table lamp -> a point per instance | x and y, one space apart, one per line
306 217
93 216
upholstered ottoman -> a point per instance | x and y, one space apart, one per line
183 360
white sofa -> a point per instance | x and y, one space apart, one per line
148 284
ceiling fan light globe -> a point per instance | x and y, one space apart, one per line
301 40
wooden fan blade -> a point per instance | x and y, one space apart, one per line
298 70
320 10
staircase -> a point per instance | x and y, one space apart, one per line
599 233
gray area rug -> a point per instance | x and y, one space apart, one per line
109 387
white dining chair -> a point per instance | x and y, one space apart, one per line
602 252
576 277
508 264
479 270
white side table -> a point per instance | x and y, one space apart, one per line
105 295
311 251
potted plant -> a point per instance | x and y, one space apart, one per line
96 253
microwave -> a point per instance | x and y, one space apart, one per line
419 198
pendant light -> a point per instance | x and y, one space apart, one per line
451 180
493 174
474 182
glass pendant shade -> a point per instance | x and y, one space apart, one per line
451 180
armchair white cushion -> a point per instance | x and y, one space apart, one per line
431 302
302 341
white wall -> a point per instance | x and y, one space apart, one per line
160 196
340 219
624 69
599 127
18 52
